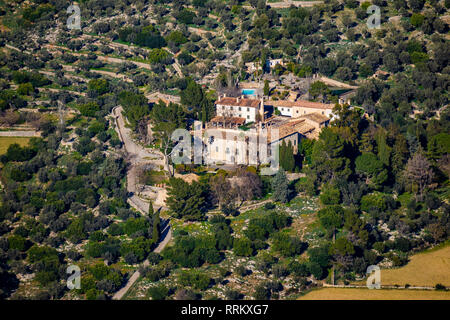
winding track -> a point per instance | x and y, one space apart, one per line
137 155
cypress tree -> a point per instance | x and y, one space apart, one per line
287 159
150 210
266 88
290 160
156 224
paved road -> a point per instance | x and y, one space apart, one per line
137 155
166 235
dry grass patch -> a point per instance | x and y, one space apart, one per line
382 294
423 269
5 142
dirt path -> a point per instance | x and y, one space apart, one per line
336 83
19 134
136 155
112 75
287 4
61 90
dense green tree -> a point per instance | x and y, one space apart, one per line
101 86
331 218
330 195
372 168
328 161
243 247
280 186
287 158
186 200
135 106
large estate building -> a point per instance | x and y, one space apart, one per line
246 130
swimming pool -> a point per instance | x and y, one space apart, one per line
249 92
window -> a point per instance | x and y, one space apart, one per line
227 151
297 111
248 117
282 109
237 151
231 108
217 149
240 108
323 112
248 109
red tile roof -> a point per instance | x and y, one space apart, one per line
240 102
316 117
233 120
299 103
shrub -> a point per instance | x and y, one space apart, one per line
17 242
89 109
374 201
243 247
330 195
269 206
158 292
261 292
232 294
241 271
439 286
195 279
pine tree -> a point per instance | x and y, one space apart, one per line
400 154
384 151
280 186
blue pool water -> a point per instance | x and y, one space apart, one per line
249 92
